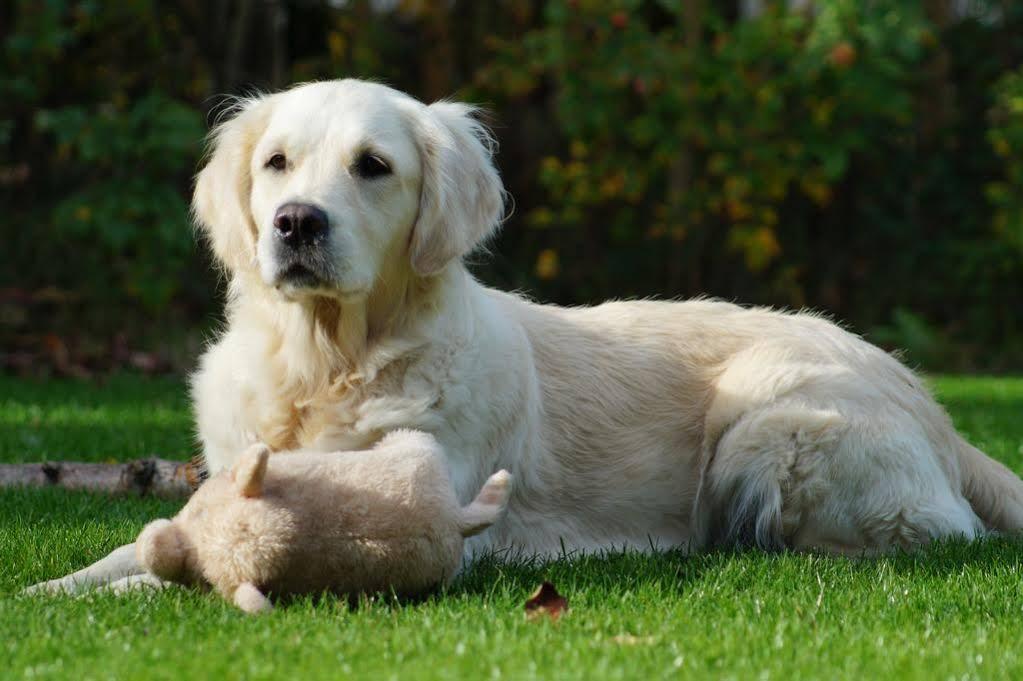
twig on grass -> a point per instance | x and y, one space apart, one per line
157 477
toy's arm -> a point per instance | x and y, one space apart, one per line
488 505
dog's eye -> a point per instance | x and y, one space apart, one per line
370 166
277 162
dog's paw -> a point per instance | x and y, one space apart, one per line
51 587
135 583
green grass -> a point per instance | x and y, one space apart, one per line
124 417
954 610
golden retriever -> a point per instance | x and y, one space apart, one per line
341 212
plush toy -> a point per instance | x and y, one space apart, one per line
302 522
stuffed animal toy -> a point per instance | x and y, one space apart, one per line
303 522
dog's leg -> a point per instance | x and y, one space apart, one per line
119 564
137 582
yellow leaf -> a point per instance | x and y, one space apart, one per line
541 217
547 264
822 113
818 191
737 210
736 187
336 44
550 164
575 169
761 248
612 186
717 164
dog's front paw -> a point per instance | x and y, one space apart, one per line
135 583
61 585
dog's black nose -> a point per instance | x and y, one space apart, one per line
298 224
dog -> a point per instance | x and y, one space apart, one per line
341 213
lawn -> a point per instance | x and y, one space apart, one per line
954 610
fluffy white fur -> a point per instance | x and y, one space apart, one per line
638 424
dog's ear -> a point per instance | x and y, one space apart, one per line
250 470
462 199
220 204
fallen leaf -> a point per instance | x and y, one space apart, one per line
546 602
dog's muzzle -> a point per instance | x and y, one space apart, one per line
301 232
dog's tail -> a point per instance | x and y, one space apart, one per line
994 491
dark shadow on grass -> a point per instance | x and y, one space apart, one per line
616 570
677 571
949 557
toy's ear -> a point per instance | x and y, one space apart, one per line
250 470
488 505
462 199
220 204
250 599
162 548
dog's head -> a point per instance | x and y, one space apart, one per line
319 188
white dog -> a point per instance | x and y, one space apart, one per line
341 212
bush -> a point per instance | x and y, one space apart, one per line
126 216
830 159
863 158
705 138
1006 137
103 131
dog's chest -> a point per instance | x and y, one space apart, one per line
353 415
324 422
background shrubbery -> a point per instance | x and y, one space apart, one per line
865 158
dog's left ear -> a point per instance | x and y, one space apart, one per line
462 199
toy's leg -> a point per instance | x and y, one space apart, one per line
120 563
250 599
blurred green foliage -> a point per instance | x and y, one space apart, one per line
126 214
671 137
101 131
865 158
1006 137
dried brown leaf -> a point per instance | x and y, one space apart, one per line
546 602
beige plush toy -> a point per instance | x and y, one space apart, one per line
347 522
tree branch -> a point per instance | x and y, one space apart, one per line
157 477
